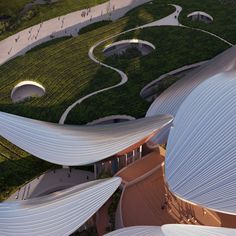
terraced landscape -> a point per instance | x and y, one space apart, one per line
63 67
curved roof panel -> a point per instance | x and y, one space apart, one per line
174 230
201 13
191 230
138 231
129 41
201 149
60 213
77 145
172 98
27 82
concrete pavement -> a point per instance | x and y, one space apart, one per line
70 24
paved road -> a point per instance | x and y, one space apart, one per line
52 181
70 24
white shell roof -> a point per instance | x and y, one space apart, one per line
174 230
27 82
201 149
200 13
57 214
77 145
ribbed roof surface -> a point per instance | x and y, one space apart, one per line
56 214
201 150
196 230
129 41
76 145
201 13
138 231
173 230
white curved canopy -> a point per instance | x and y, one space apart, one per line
174 230
129 41
195 230
201 149
27 82
138 231
201 13
56 214
172 98
26 89
76 145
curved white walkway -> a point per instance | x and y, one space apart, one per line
70 25
169 20
66 25
123 76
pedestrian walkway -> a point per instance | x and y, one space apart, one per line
124 78
67 25
52 181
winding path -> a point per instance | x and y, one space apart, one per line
207 32
71 23
124 79
169 20
67 25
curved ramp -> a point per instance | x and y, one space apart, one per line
77 145
56 214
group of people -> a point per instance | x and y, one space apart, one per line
86 12
83 14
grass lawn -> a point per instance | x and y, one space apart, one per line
11 8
